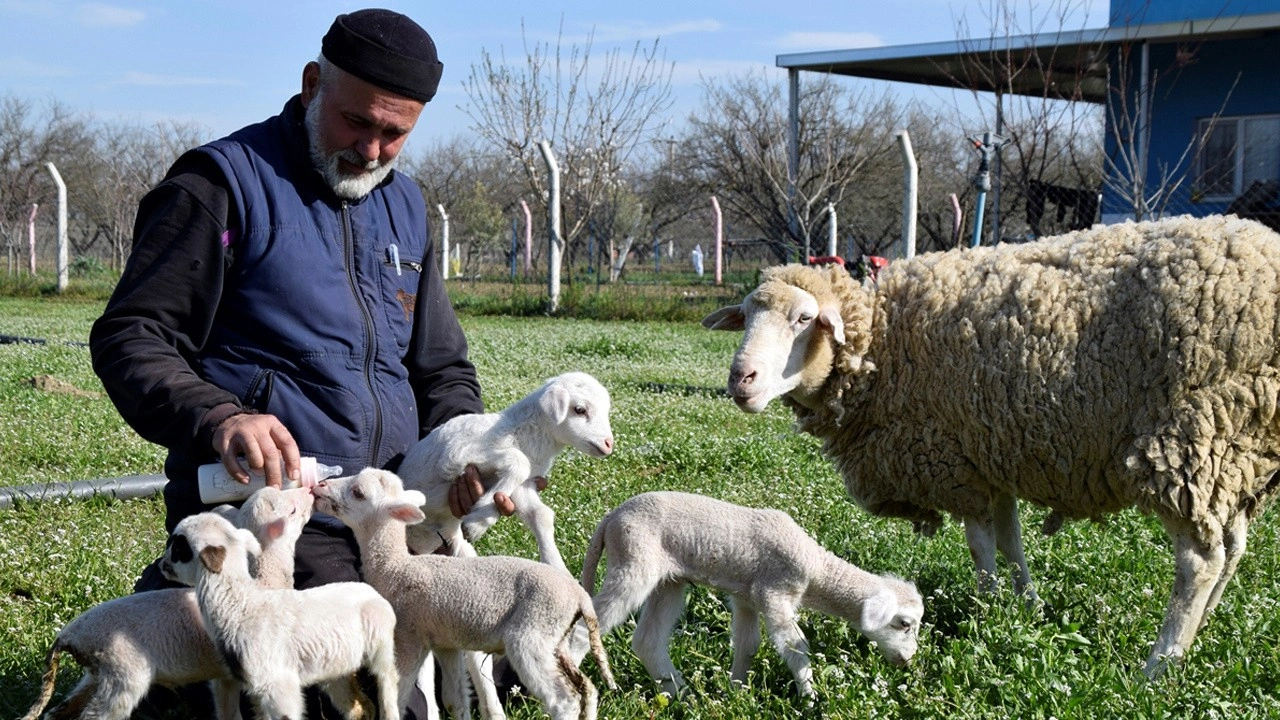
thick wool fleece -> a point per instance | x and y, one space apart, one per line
1132 364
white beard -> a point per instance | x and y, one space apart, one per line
347 187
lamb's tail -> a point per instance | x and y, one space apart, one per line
592 559
588 616
46 687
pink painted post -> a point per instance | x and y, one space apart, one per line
31 237
528 238
715 205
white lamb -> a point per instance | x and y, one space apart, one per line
658 542
278 641
128 644
448 605
514 446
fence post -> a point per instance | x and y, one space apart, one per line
62 227
910 194
554 242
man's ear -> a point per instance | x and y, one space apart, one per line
726 318
212 557
310 82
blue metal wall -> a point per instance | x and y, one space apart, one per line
1137 12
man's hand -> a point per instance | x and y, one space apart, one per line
263 441
467 489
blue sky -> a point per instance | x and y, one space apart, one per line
227 63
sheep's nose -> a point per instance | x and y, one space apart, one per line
608 445
740 378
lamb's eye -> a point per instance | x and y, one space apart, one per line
804 319
579 410
357 493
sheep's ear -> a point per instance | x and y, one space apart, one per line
830 318
212 557
726 318
879 609
406 511
275 528
415 497
555 403
251 544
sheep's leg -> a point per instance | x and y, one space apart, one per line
115 694
624 590
534 660
1235 539
541 521
1198 570
652 639
73 706
226 698
746 638
1008 534
279 698
414 667
346 695
980 535
480 665
789 639
455 690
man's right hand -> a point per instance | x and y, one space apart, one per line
263 441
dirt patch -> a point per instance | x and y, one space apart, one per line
49 383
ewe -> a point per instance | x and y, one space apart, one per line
127 644
451 605
658 542
1129 365
515 446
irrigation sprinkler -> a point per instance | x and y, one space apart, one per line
987 146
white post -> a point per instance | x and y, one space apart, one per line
444 242
528 238
715 206
31 237
555 243
833 230
910 194
62 226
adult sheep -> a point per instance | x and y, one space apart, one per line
1126 365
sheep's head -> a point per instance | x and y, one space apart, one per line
793 326
271 513
368 499
577 407
207 542
891 619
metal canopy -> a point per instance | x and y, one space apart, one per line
1068 65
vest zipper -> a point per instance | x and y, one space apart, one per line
348 244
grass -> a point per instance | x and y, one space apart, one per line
1079 656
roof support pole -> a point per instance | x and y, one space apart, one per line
793 154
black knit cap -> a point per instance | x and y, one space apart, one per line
387 49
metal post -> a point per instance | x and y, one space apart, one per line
62 226
910 194
715 206
528 238
31 237
987 146
444 242
793 154
833 228
555 243
515 246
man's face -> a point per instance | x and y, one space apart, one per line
356 129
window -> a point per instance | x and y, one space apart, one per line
1235 153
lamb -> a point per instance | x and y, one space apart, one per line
1132 365
515 445
275 642
658 542
447 605
128 644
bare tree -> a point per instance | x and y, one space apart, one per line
736 149
596 113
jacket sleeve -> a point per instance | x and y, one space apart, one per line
161 312
444 380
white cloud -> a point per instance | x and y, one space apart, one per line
804 41
153 80
23 68
629 32
103 15
695 72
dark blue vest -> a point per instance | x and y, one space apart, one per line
315 319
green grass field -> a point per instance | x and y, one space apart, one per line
1079 656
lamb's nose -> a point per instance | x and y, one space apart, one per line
740 378
608 445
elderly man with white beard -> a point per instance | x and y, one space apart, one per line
280 300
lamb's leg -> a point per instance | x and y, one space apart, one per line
652 639
455 690
541 521
480 665
1008 532
73 706
116 694
980 535
1198 570
1234 540
780 622
279 698
226 698
746 638
413 667
533 657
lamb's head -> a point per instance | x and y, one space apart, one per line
891 619
272 514
207 542
576 407
793 326
369 498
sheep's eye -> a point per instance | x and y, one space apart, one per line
804 319
904 624
357 493
579 410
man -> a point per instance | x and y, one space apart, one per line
280 299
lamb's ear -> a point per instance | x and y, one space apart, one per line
830 318
414 496
879 609
212 556
275 528
251 544
406 510
555 403
726 318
